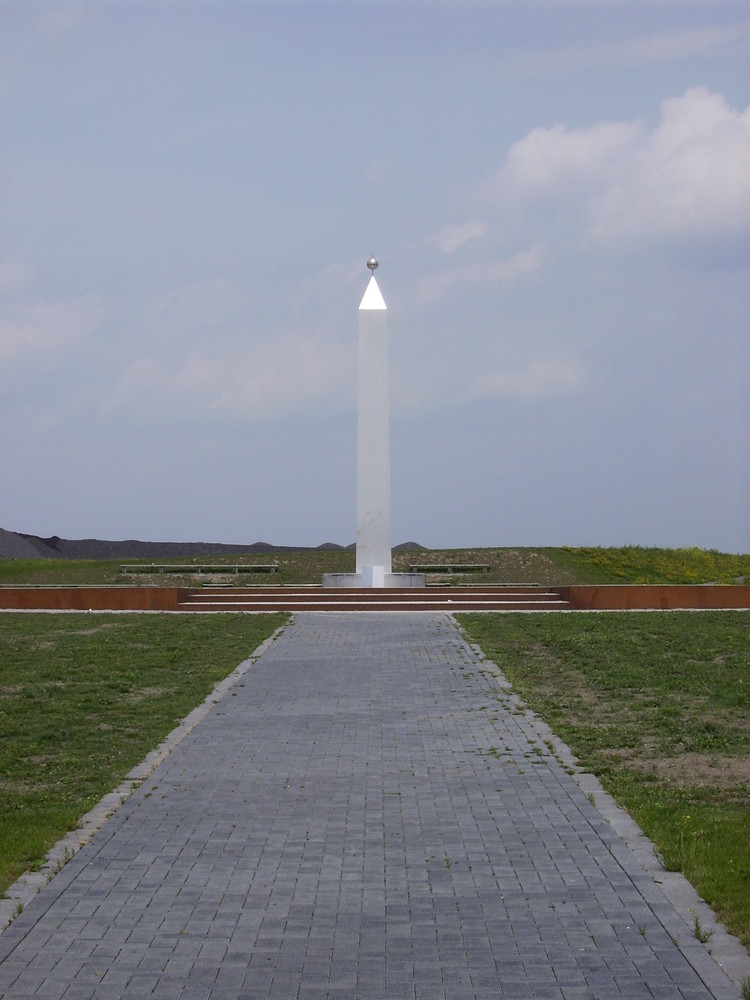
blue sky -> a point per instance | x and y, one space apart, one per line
557 194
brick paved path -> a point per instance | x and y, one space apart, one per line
362 816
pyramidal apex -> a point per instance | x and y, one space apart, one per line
372 299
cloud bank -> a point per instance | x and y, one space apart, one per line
685 176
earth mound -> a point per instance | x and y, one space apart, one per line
18 545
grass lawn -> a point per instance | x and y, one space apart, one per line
656 705
84 698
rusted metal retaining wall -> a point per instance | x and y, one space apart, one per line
91 598
602 598
617 597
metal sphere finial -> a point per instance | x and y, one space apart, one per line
372 264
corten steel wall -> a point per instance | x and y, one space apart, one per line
624 597
91 598
603 598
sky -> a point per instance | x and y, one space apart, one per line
556 191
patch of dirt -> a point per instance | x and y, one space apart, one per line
89 631
148 692
690 769
573 682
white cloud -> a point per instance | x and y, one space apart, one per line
265 381
550 159
451 238
202 310
540 380
507 269
44 327
687 175
289 373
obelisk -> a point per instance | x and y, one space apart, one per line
373 443
373 454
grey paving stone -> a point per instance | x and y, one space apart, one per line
78 991
366 815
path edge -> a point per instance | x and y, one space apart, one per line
727 951
18 895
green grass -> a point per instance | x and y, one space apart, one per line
303 566
84 698
633 564
656 705
59 572
547 566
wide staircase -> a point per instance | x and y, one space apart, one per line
447 599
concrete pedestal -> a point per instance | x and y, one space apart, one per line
360 580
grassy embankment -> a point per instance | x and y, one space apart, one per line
547 566
633 564
84 698
656 705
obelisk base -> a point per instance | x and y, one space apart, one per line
371 577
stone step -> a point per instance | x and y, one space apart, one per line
371 606
265 599
496 589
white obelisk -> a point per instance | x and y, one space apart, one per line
373 447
